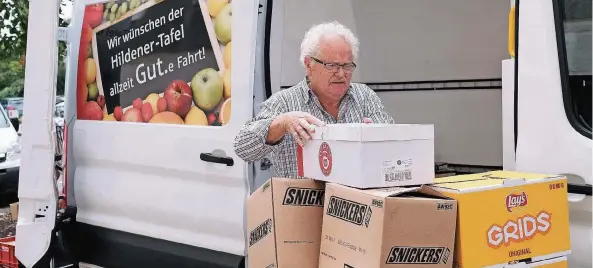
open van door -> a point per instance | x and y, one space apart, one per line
552 104
149 125
37 192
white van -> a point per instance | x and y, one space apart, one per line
156 182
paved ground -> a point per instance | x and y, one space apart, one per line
7 226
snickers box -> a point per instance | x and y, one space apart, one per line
284 223
387 227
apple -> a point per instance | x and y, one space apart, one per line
161 105
179 97
207 87
133 115
82 95
222 24
137 103
92 111
118 113
214 6
86 36
93 15
93 92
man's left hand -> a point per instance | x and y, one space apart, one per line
367 120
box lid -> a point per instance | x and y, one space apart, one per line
490 180
394 192
374 132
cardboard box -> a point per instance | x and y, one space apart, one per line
284 223
370 155
387 227
14 211
560 262
508 216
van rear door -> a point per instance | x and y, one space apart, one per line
150 162
37 192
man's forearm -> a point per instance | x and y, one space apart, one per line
250 144
276 131
253 141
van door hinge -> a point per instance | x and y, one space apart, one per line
63 34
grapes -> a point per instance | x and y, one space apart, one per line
116 9
123 8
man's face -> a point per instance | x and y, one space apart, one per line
330 72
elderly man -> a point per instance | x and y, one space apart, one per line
287 118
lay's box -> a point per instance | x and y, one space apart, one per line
560 262
505 216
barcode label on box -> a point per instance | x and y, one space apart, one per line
397 170
398 176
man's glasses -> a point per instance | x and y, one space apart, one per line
334 67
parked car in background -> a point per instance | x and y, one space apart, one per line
13 106
10 150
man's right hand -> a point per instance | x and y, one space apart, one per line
301 125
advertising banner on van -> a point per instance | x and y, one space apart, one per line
156 61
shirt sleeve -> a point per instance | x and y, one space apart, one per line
375 109
250 144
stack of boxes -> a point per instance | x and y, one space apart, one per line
372 200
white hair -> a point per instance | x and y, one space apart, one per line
310 44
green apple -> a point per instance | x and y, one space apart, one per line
207 89
93 92
222 24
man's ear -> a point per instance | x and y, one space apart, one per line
307 62
308 65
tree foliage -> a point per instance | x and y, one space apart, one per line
14 15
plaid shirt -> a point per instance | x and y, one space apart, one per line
250 144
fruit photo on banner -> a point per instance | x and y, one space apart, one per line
172 77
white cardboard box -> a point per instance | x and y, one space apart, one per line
370 155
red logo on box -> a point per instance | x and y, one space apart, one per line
325 159
516 199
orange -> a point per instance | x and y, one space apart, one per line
225 112
166 118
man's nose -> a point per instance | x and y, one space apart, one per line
340 72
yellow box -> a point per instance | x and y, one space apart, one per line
506 216
560 262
